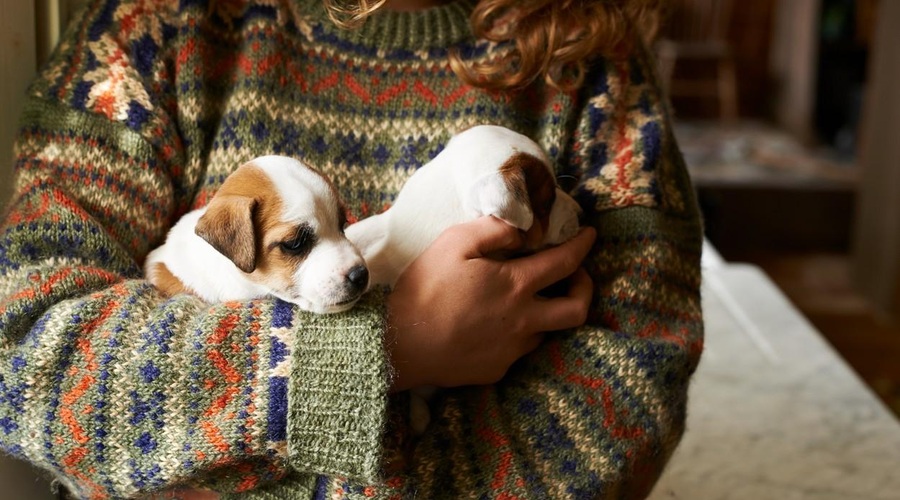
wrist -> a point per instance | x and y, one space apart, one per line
406 370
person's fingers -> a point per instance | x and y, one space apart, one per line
549 266
486 235
570 311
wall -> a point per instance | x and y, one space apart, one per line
17 58
28 32
877 238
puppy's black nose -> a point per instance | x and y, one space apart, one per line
358 277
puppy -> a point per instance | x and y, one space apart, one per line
275 227
484 170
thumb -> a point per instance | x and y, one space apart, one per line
488 234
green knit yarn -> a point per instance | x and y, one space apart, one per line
142 112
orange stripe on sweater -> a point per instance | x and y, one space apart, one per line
185 53
73 395
357 89
455 95
75 456
425 92
223 329
218 360
214 436
247 484
221 402
327 82
91 325
267 63
28 213
68 418
623 191
391 93
46 287
502 470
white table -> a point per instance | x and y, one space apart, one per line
774 412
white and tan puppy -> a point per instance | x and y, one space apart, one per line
484 170
275 227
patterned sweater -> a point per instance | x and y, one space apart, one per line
147 105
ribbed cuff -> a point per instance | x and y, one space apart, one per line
337 394
293 486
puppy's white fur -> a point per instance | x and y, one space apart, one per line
460 184
478 173
316 281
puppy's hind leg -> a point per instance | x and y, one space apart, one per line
419 410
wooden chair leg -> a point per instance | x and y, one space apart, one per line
728 105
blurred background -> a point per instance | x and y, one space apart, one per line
787 114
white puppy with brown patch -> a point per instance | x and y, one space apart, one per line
484 170
275 227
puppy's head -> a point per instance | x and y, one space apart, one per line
530 182
282 224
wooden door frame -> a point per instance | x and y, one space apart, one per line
793 65
18 60
876 238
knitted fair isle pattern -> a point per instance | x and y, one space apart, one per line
145 108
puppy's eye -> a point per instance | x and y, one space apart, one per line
301 243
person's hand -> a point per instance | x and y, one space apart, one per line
458 317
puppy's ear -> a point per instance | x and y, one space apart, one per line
528 176
227 225
521 192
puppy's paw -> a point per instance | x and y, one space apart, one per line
419 413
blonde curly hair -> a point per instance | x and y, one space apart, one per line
553 40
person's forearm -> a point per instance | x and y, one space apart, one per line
118 389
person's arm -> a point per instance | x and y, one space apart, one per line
104 382
460 317
595 411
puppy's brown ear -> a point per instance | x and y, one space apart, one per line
530 180
227 225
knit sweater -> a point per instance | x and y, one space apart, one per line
143 110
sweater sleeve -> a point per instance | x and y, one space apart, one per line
595 412
105 383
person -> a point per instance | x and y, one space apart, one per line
147 105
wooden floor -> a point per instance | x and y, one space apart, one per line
788 208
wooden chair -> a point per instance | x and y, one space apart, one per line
697 30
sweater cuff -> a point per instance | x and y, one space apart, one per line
337 394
